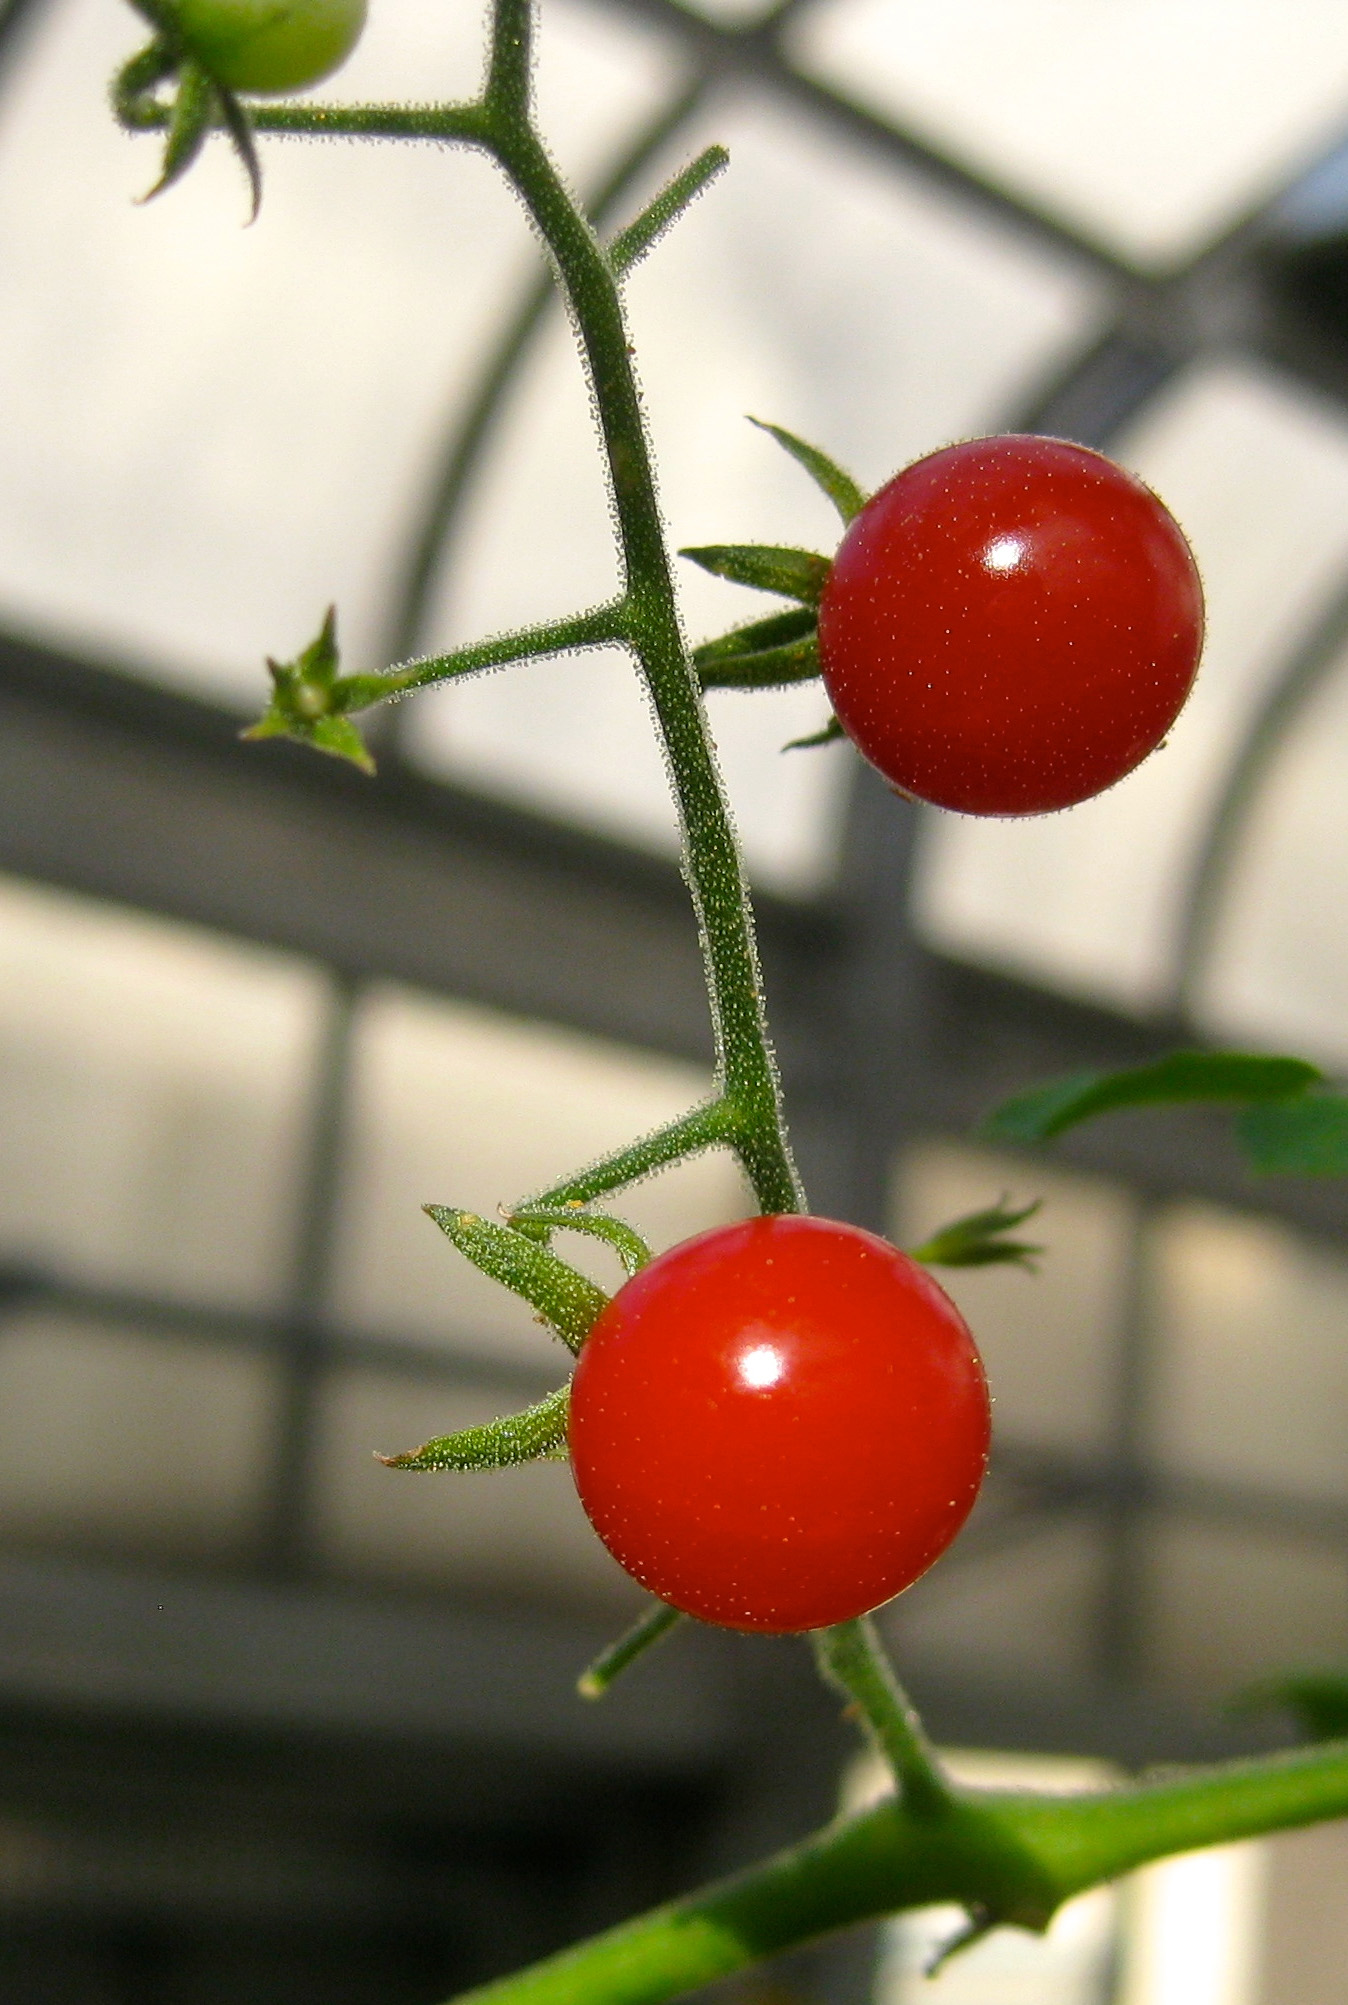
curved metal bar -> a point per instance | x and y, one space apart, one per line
1304 674
469 434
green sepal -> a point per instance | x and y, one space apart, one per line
310 699
763 655
194 106
828 735
1316 1700
133 87
537 1434
1221 1077
767 567
566 1300
625 1240
841 489
977 1240
1306 1137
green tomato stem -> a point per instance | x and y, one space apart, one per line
851 1657
1011 1858
596 1678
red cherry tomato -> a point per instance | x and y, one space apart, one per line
779 1424
1010 626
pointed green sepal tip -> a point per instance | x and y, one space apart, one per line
565 1299
310 701
767 567
979 1240
829 735
841 489
536 1434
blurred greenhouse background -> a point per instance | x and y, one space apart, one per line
274 1723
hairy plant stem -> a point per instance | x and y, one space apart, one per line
711 856
1011 1857
851 1658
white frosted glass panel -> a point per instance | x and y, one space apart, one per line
1026 1613
209 432
1090 900
1149 124
112 1438
811 287
1048 1338
498 1532
1278 970
1225 1606
457 1106
1252 1365
154 1084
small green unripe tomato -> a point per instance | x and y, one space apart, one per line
265 46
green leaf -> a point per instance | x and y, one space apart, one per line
1307 1137
978 1240
1317 1701
562 1297
536 1434
768 567
830 733
841 489
309 700
1229 1077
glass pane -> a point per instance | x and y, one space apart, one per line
1226 1606
154 1087
1150 125
1026 1613
500 1533
211 432
948 321
1091 900
1047 1338
455 1105
116 1440
1251 1368
1278 971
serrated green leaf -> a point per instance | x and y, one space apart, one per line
828 735
978 1240
566 1300
1217 1077
1307 1137
841 489
538 1433
767 567
1317 1701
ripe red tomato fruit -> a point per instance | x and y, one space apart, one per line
779 1424
1010 626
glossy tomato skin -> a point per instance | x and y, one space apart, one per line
779 1424
1010 626
266 46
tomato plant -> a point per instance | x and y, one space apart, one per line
269 45
779 1424
1010 626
